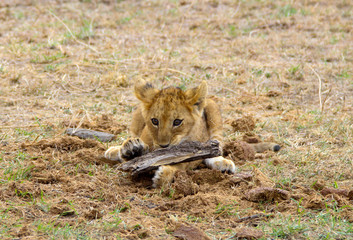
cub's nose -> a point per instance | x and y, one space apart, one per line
164 146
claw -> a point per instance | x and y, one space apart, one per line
130 149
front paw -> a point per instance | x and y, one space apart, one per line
133 147
215 142
221 163
114 154
130 149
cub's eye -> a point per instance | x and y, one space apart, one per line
155 121
177 122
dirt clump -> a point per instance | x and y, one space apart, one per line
61 210
249 233
315 202
183 185
239 151
67 148
238 178
244 124
319 185
337 193
250 137
237 181
63 144
90 155
341 192
22 232
45 178
24 190
261 180
263 194
347 214
188 232
103 123
208 176
92 213
198 205
273 93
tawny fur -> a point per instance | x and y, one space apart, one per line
153 126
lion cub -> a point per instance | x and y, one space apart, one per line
166 117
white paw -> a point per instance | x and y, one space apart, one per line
156 177
221 163
164 176
113 153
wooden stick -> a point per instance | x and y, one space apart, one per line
185 152
86 133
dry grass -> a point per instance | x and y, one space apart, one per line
287 63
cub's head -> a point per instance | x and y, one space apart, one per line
170 113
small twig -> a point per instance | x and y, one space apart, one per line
74 87
236 10
320 88
80 123
344 102
35 139
220 214
72 35
59 133
254 31
229 90
326 99
114 60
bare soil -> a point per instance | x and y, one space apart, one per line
280 70
68 184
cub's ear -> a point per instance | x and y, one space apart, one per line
145 92
197 96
